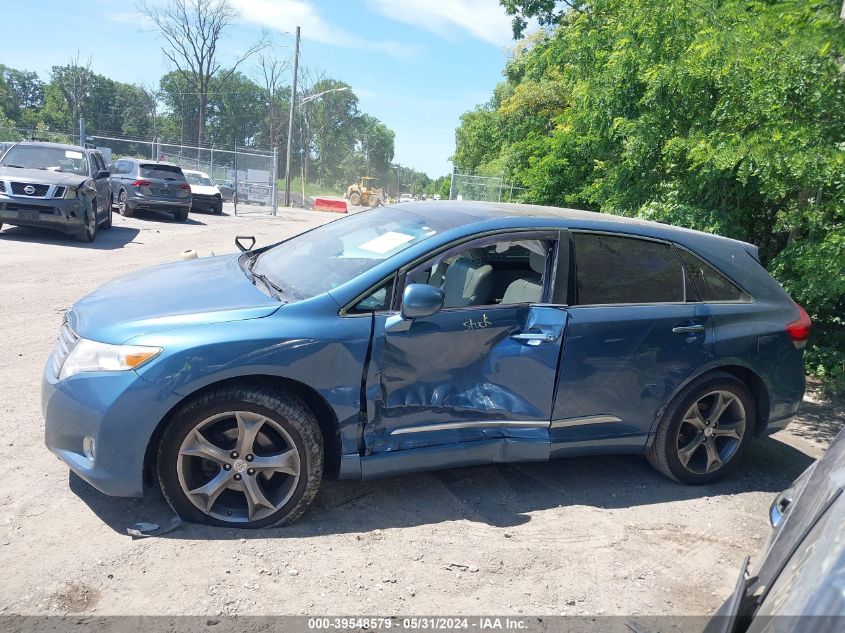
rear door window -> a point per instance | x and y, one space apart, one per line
711 284
162 172
613 270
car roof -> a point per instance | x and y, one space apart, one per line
76 148
457 213
148 161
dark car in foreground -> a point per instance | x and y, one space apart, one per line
55 186
143 185
422 336
798 582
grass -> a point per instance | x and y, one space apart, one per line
311 188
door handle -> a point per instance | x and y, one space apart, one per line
688 329
534 338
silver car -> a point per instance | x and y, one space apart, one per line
144 185
798 583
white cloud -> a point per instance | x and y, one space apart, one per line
286 15
483 19
132 17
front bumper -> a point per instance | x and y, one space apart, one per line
118 410
67 216
206 203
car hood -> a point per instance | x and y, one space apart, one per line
180 294
41 176
204 190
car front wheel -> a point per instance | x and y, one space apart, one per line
89 229
705 430
241 456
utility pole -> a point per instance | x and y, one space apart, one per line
290 118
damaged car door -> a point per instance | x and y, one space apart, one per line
478 374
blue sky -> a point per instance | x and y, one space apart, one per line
414 64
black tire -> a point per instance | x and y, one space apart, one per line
218 207
107 223
91 222
373 200
676 434
281 409
355 198
180 216
123 205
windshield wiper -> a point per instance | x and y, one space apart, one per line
274 289
16 166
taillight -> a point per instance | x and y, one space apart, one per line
141 183
799 330
185 185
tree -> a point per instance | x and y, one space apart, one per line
376 144
268 72
74 81
192 30
720 115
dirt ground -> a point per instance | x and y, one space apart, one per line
598 535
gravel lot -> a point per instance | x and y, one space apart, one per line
599 535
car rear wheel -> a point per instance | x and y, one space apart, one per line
241 456
89 230
180 216
705 430
123 206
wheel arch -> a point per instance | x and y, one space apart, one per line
326 417
750 378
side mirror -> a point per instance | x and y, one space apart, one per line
103 173
418 301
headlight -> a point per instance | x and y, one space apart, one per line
70 193
93 356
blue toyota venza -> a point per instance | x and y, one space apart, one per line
425 336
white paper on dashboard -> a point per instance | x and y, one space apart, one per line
386 242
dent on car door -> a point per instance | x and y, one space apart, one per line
636 331
483 367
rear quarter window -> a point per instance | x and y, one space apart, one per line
711 284
612 270
162 172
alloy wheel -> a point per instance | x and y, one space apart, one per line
121 203
238 466
711 432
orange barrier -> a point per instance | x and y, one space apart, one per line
326 204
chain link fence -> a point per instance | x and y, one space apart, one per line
251 174
483 188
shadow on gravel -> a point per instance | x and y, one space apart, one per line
819 421
164 216
498 495
112 239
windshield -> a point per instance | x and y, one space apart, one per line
42 157
335 253
199 179
162 172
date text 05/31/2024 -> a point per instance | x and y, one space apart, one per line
418 623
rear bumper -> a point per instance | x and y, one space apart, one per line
67 216
149 203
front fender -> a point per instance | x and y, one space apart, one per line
326 353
